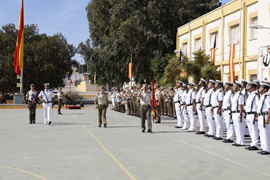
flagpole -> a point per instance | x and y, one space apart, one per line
131 71
21 81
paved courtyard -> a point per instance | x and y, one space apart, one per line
74 148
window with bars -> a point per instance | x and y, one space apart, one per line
184 49
253 31
198 44
234 34
214 40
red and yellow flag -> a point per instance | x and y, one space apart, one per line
231 64
154 99
70 81
18 60
213 55
130 70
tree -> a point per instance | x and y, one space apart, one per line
201 67
46 58
142 29
171 72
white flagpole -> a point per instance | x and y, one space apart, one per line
240 40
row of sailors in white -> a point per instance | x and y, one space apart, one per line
228 108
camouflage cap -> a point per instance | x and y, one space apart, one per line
32 85
102 87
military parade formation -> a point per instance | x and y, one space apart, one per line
241 109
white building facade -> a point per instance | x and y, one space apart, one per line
229 24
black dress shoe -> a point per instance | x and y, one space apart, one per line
50 122
264 153
238 145
253 148
200 132
60 113
210 135
218 138
34 122
143 130
178 126
228 141
259 152
214 138
149 131
105 125
234 144
99 125
30 122
157 122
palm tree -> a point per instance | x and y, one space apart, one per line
201 67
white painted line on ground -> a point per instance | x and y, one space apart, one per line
209 152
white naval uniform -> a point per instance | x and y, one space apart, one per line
113 94
226 107
209 115
216 98
239 125
47 96
183 109
177 98
189 103
251 107
263 107
245 94
199 96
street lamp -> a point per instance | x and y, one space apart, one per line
256 26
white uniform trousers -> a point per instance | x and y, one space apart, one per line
192 118
246 127
201 117
219 123
229 125
264 134
47 109
113 102
239 128
210 121
178 115
185 116
253 130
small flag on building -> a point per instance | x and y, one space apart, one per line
231 64
70 81
18 60
130 70
213 55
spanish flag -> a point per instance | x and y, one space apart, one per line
213 54
18 60
231 64
130 70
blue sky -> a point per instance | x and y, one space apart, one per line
52 16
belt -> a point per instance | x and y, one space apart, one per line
176 101
263 114
47 102
198 102
189 104
235 111
102 104
146 105
208 106
183 104
215 107
251 112
226 109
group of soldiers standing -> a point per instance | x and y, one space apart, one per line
240 109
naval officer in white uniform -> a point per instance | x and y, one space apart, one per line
47 98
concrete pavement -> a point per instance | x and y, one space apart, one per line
73 147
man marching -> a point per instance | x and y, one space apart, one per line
103 102
31 101
47 97
60 96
